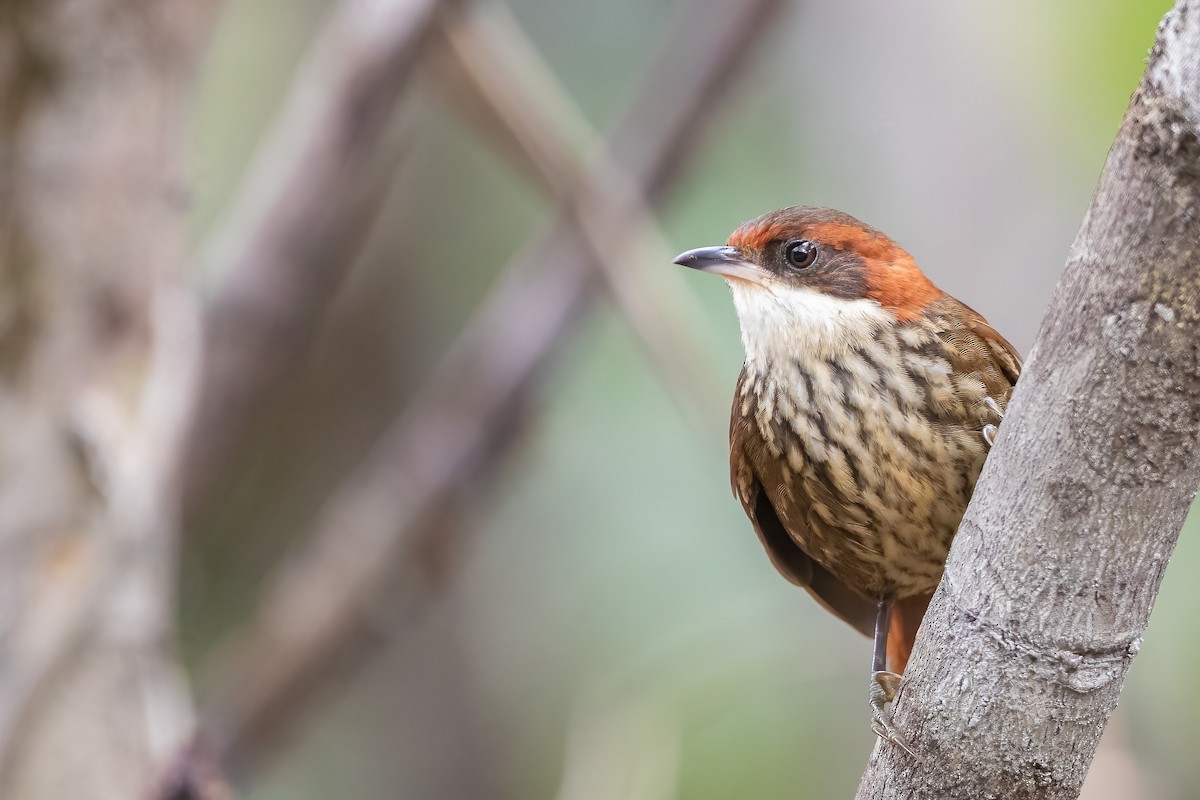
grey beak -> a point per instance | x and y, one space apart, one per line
706 258
725 261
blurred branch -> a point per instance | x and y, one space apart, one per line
1056 565
458 430
292 235
503 72
280 257
98 349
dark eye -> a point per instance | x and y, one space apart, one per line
800 253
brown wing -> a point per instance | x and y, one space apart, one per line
748 470
976 342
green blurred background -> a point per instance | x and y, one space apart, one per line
610 627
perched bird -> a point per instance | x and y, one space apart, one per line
864 410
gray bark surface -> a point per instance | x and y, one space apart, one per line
1057 563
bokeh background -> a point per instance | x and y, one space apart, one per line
604 623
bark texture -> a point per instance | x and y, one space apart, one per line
1058 560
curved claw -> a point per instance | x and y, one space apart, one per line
884 686
989 434
989 431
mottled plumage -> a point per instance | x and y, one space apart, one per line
857 430
866 454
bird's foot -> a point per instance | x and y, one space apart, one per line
990 430
883 691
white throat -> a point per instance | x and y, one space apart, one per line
781 323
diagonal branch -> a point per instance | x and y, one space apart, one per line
505 74
292 233
322 603
1057 563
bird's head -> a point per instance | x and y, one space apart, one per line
813 272
804 249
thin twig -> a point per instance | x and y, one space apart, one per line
458 430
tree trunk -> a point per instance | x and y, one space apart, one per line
1058 560
92 222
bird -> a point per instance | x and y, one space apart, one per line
864 410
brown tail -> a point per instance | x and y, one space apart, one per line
902 629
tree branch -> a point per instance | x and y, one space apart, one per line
1057 563
93 99
503 72
294 231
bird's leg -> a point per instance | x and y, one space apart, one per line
884 683
990 430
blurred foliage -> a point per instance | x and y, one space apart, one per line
611 582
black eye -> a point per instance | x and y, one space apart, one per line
800 253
